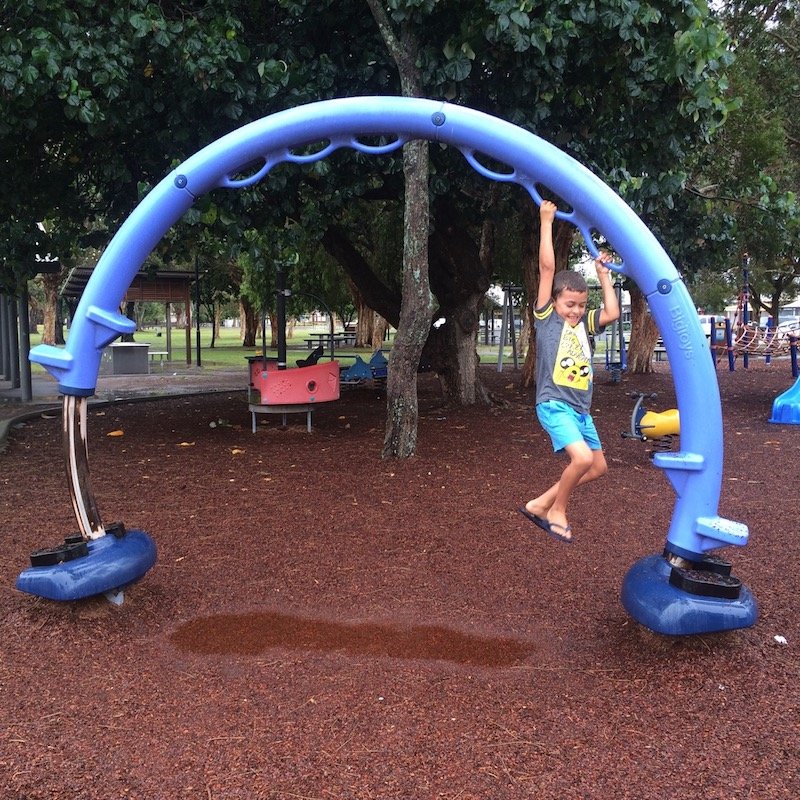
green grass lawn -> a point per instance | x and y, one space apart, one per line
228 351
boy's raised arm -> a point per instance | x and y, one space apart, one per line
547 257
610 310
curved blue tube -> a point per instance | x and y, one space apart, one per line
695 473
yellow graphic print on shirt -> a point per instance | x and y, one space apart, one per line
573 365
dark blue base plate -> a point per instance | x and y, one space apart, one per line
650 599
112 564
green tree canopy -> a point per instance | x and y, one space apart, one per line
751 172
106 98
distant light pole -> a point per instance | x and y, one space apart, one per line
197 304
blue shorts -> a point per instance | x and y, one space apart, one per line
565 425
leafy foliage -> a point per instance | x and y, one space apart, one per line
109 96
752 168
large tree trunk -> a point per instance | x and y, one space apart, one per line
644 334
248 321
365 321
416 310
563 235
416 307
451 352
460 272
368 321
50 283
273 331
181 311
379 328
130 313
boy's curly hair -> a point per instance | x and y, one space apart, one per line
568 279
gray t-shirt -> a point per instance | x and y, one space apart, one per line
564 357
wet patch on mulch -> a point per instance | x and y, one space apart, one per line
254 633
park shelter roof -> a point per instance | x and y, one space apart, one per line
162 286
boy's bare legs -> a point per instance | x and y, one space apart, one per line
584 465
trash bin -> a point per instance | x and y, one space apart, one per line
129 358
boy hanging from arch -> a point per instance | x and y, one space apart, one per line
564 376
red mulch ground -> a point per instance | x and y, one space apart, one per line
324 624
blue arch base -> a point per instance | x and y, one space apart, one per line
650 599
112 564
786 406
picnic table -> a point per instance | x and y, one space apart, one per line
157 353
326 340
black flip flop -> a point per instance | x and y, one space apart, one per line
562 537
546 526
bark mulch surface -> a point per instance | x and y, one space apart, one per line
322 623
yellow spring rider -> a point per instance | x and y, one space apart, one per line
660 426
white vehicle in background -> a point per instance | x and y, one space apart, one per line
790 327
705 323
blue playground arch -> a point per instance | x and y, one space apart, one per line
649 592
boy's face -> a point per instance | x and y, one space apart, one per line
571 305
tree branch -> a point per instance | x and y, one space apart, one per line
373 291
403 49
789 45
725 199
